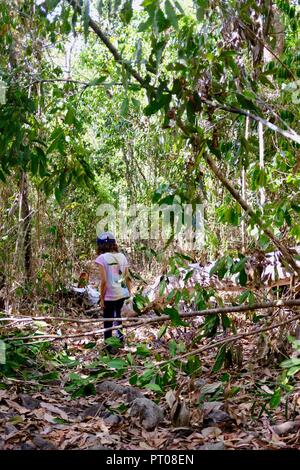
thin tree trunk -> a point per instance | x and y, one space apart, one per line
244 189
262 197
26 222
287 255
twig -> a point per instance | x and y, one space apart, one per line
118 58
229 340
210 311
165 318
232 109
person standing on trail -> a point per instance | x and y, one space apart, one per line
115 282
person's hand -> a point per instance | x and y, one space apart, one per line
102 303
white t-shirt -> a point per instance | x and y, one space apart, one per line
114 265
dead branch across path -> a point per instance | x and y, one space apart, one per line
210 311
230 339
160 319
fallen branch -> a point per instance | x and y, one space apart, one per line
229 340
210 311
165 318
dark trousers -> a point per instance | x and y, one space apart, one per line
112 309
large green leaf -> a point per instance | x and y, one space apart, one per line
158 103
126 12
219 359
171 13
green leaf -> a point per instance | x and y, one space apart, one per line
34 163
97 81
162 331
84 391
243 278
142 350
193 365
290 363
172 347
154 387
113 341
259 178
174 315
2 176
220 268
219 359
233 391
161 22
171 14
126 12
117 364
294 370
125 106
210 325
70 116
239 266
139 301
226 322
201 7
155 105
162 287
246 103
295 207
275 399
145 25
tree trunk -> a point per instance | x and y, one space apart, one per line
26 227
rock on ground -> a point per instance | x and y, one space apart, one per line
214 446
129 393
150 415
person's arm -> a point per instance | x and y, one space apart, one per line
103 284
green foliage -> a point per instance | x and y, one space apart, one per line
292 365
228 266
79 386
27 361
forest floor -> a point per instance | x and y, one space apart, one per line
56 404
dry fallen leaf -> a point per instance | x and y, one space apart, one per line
55 409
180 414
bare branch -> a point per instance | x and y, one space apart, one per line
164 318
230 339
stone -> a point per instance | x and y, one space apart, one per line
211 431
130 393
43 444
29 402
27 446
149 414
199 383
214 446
92 411
113 420
209 406
98 448
217 417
